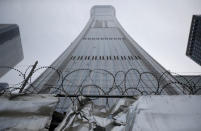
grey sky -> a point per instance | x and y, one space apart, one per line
47 27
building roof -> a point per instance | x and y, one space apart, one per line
103 10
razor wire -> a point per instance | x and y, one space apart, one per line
187 86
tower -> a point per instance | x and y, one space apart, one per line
104 60
194 42
11 52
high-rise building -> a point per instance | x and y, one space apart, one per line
104 59
194 42
11 52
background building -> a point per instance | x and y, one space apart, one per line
194 43
10 47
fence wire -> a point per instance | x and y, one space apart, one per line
120 86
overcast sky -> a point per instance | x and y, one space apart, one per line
47 27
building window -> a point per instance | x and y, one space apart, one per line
117 58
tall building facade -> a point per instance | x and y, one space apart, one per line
194 42
11 52
104 59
